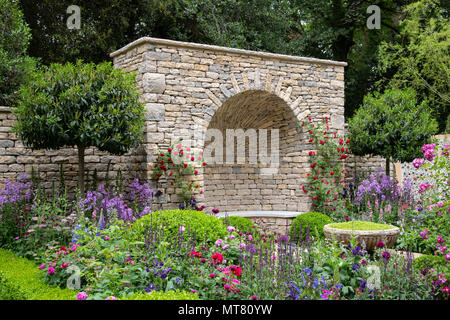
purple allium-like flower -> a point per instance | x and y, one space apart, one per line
215 211
283 239
386 255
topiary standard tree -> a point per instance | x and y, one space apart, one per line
391 125
82 105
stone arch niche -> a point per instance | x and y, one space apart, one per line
264 170
188 88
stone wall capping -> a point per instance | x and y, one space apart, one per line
261 214
207 47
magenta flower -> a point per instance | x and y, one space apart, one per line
218 242
447 257
424 187
82 296
225 247
212 275
418 162
51 270
440 239
111 298
386 255
231 229
254 298
429 155
42 266
380 244
423 234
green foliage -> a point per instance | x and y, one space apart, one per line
361 225
83 105
206 227
168 295
241 224
178 166
419 57
325 180
392 125
15 65
80 105
19 280
429 261
315 221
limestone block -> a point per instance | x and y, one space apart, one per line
154 83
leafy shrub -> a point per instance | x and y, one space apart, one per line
429 261
392 125
241 224
158 295
15 65
315 221
325 181
82 105
19 280
206 227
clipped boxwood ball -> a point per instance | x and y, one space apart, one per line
241 224
206 227
314 220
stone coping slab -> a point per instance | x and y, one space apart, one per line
199 46
261 214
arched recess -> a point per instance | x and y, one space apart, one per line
264 185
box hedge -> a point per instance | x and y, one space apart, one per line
206 227
315 221
19 280
157 295
240 223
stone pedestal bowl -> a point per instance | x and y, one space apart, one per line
370 237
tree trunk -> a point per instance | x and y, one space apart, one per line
81 170
387 167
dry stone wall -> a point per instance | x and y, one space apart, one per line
184 85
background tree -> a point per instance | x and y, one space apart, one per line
419 57
15 65
392 125
82 105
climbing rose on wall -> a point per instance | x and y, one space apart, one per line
326 177
178 165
